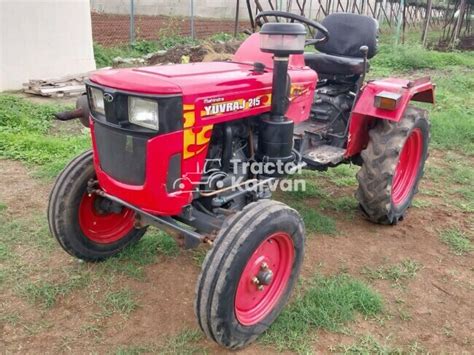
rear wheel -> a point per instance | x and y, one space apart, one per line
248 276
87 226
393 166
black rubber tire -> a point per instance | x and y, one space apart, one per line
380 159
222 268
64 201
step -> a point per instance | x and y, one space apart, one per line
324 155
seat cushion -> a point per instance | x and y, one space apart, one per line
347 33
334 65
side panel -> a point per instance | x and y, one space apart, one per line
365 112
152 196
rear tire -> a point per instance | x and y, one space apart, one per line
83 230
392 166
233 305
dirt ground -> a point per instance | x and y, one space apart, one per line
434 310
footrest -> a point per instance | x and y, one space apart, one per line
324 155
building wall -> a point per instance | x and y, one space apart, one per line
202 8
42 39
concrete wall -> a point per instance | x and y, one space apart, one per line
41 39
202 8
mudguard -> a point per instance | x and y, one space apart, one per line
365 112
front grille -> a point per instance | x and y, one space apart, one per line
122 155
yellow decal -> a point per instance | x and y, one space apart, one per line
297 90
195 139
218 106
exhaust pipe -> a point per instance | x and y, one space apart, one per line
82 112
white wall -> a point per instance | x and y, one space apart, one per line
42 39
202 8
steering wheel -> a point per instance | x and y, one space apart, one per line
293 18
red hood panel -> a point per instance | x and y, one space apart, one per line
181 78
135 81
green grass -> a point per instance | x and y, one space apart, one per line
131 260
414 57
46 293
185 343
342 175
122 302
367 345
316 222
402 271
24 135
458 241
452 116
325 303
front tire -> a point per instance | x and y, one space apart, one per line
77 221
392 166
248 276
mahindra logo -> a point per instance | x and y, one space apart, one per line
108 97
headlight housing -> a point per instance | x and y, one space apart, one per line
143 112
282 39
97 100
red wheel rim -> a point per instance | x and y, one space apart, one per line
276 255
103 227
407 167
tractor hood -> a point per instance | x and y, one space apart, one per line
207 78
215 86
185 79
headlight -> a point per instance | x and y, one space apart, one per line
97 100
143 112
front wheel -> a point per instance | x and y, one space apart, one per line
392 166
248 276
87 226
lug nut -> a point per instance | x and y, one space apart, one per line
255 281
264 266
260 287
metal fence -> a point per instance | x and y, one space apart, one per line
120 22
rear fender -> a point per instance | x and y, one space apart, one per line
365 112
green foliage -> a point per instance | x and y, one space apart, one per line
316 222
131 260
342 175
121 302
458 241
185 343
453 115
19 115
402 271
145 47
24 128
225 37
368 345
169 36
327 303
46 293
415 57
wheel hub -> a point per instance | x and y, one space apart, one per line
102 222
264 278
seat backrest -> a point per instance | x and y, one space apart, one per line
347 33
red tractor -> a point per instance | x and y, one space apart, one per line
172 147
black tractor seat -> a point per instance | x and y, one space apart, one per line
341 54
333 64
